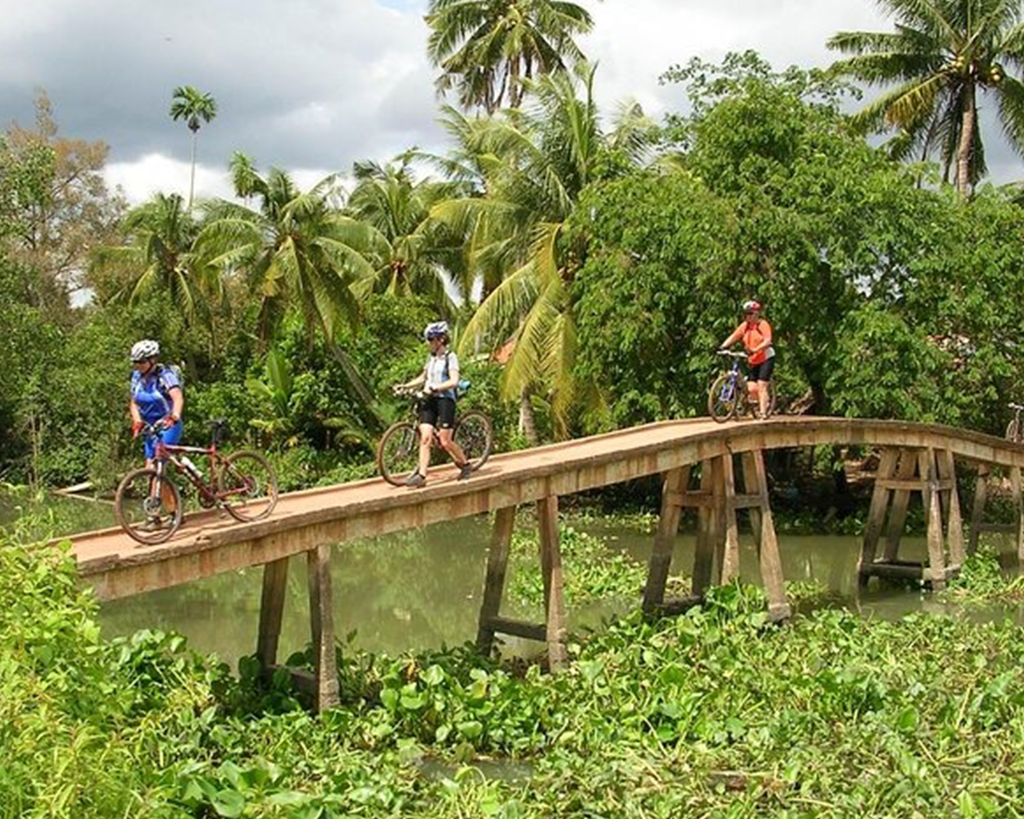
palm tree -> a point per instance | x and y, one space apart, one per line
193 106
390 226
942 53
293 250
549 153
488 48
158 256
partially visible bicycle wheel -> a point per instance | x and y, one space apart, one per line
473 433
148 506
398 452
247 486
723 398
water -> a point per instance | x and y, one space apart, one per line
422 589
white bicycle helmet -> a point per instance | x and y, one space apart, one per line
436 329
752 306
147 348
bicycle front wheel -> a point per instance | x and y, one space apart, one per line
1013 430
723 397
474 434
247 486
398 452
148 506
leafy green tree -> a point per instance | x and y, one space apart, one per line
292 250
942 54
158 256
195 107
549 153
391 227
487 49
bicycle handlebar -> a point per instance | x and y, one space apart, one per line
1016 406
731 354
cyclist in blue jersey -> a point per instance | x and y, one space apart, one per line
157 397
440 381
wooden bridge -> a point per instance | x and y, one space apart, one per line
714 469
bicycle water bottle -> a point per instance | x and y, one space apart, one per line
191 467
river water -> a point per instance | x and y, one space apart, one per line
422 589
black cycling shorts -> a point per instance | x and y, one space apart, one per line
438 412
762 371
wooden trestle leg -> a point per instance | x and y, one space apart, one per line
932 474
321 616
275 584
553 631
716 555
983 489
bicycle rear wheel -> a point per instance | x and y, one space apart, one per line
148 506
398 452
723 397
474 434
247 486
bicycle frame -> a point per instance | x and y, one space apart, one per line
165 453
736 382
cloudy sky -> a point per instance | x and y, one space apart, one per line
313 85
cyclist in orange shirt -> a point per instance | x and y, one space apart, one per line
756 334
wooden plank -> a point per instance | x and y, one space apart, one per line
911 485
674 484
731 554
554 600
978 510
768 551
745 502
494 583
750 488
275 587
900 500
951 503
933 520
518 628
876 513
321 618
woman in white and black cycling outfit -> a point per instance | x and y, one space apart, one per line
440 379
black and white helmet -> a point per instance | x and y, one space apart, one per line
147 348
436 329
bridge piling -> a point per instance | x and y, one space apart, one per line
716 554
275 584
932 473
321 617
986 485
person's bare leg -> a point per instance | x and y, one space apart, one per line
762 397
752 392
452 448
426 440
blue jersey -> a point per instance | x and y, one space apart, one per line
152 392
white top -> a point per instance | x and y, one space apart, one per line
435 371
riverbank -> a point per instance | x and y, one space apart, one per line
715 713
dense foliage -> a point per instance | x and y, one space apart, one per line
713 713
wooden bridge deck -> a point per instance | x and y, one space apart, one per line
207 544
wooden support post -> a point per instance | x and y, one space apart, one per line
951 504
494 584
1018 512
933 518
750 488
673 485
768 547
551 567
321 617
731 554
275 585
900 501
704 552
978 510
876 514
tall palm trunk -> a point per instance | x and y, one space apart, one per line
527 421
192 178
963 156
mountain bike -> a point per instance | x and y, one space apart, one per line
729 396
399 449
1015 429
148 502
